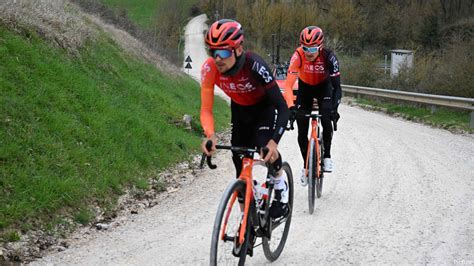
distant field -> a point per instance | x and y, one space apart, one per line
144 12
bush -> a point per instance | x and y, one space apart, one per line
360 71
446 72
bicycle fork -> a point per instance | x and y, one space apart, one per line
245 175
314 135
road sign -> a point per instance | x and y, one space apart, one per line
188 59
188 66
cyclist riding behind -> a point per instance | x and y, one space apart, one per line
258 110
318 71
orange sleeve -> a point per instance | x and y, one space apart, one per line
291 76
207 96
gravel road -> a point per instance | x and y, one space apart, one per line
401 193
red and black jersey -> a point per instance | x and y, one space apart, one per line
250 85
247 87
314 72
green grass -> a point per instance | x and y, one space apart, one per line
144 12
76 131
12 236
442 117
83 216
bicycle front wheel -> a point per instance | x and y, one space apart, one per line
312 175
320 178
225 245
279 228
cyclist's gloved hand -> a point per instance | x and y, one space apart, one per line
293 112
335 115
213 139
272 154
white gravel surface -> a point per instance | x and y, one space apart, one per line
401 193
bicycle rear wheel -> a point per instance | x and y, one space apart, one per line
225 246
279 228
312 173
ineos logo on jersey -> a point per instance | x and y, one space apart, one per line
262 71
237 87
313 68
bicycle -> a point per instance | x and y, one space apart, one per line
314 157
238 224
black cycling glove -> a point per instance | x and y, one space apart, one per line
293 112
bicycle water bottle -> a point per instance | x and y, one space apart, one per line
264 190
260 193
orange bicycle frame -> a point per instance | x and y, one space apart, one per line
313 135
246 176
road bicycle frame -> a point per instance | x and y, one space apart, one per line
245 175
314 135
254 220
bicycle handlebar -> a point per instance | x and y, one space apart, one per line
313 116
225 147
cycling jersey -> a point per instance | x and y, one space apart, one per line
314 72
250 85
323 93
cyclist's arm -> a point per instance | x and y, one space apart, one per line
207 98
335 77
291 77
336 84
265 79
283 113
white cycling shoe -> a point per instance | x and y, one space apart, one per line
328 165
303 178
279 205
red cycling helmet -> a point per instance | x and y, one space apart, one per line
224 34
311 36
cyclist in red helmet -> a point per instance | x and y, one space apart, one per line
317 70
259 111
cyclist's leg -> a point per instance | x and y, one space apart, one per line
305 102
324 96
242 133
264 134
265 128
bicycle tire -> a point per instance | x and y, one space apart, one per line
273 254
312 172
218 254
320 179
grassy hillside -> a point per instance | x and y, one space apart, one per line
77 130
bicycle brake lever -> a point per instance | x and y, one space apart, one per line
209 163
201 164
290 127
